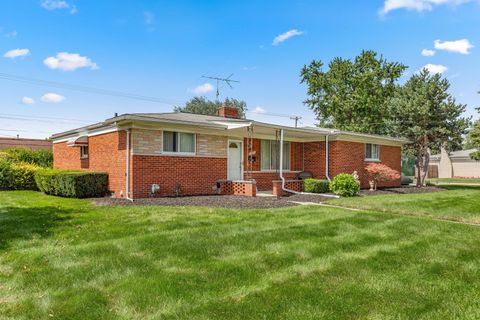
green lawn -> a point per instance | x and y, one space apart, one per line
454 180
66 259
460 203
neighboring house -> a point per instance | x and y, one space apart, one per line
33 144
457 164
189 154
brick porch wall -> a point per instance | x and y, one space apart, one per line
264 179
195 175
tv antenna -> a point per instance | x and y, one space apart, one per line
228 80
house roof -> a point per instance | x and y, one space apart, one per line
461 154
34 144
216 122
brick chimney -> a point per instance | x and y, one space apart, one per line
228 112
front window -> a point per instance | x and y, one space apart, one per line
178 142
84 152
270 160
372 151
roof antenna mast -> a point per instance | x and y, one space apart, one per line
228 80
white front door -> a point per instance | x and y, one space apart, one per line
235 171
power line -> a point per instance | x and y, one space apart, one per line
60 85
43 117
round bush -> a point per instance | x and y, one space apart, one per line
345 185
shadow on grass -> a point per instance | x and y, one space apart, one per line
29 223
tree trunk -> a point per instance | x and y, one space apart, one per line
418 165
426 163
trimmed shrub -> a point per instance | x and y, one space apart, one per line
42 158
23 176
5 174
345 185
17 176
316 185
71 183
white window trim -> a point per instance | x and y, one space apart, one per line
275 170
372 159
84 156
179 153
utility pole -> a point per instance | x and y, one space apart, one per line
227 80
296 118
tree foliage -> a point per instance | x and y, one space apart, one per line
473 140
201 105
378 172
352 95
425 113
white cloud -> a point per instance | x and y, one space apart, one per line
12 34
259 110
52 98
428 53
69 62
59 5
203 88
462 46
417 5
435 68
285 36
12 54
27 100
149 19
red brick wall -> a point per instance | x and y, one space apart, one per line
196 175
107 153
346 157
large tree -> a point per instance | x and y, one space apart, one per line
201 105
473 140
352 95
424 112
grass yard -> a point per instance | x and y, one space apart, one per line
66 259
455 180
460 203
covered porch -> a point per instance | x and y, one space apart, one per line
276 159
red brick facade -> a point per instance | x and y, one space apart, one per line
196 175
107 153
348 157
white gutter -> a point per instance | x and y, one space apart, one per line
127 174
283 178
327 158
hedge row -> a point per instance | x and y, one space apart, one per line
316 186
42 158
17 175
72 184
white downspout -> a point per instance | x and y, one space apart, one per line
283 178
327 158
127 174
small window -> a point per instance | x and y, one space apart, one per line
84 152
178 142
269 157
372 151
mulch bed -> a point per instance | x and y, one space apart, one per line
201 201
238 202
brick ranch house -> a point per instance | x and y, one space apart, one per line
165 154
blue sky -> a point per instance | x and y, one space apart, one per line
162 48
